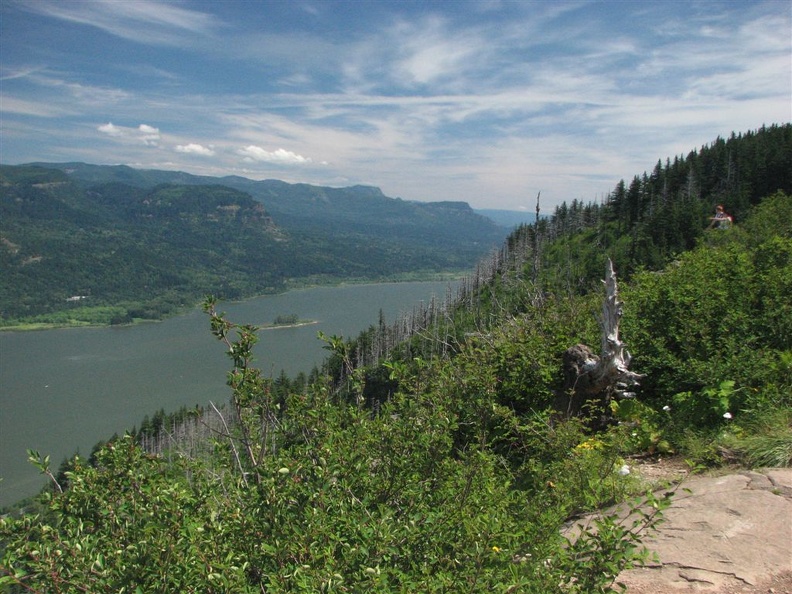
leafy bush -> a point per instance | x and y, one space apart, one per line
712 332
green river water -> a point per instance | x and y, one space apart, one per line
62 391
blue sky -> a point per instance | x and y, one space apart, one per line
485 101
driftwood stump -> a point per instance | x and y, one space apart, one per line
591 381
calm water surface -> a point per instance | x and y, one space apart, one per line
61 391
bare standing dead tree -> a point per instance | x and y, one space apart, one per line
591 380
536 261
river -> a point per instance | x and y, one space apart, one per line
62 391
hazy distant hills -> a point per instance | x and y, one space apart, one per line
507 218
154 240
323 210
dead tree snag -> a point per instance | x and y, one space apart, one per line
591 381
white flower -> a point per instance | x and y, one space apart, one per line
727 415
624 470
666 408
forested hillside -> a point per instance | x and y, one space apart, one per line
436 455
116 246
664 212
324 213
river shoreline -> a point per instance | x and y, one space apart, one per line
299 324
449 276
43 326
35 327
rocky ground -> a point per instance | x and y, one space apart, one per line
725 534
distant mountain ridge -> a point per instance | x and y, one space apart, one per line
148 241
306 206
508 218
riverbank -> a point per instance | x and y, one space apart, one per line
299 324
36 326
45 326
103 316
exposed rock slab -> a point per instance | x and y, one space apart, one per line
729 534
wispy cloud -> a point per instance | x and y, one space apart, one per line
144 21
42 109
428 52
20 72
45 85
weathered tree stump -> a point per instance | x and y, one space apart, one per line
591 382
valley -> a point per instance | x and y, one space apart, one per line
139 245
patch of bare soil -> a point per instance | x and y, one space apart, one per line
660 471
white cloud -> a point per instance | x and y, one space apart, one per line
148 135
253 153
195 149
110 129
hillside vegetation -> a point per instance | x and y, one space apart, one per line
428 456
97 244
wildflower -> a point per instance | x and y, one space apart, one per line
624 470
727 415
666 408
496 549
589 444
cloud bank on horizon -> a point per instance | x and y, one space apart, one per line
486 101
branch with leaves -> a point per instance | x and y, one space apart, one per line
251 395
